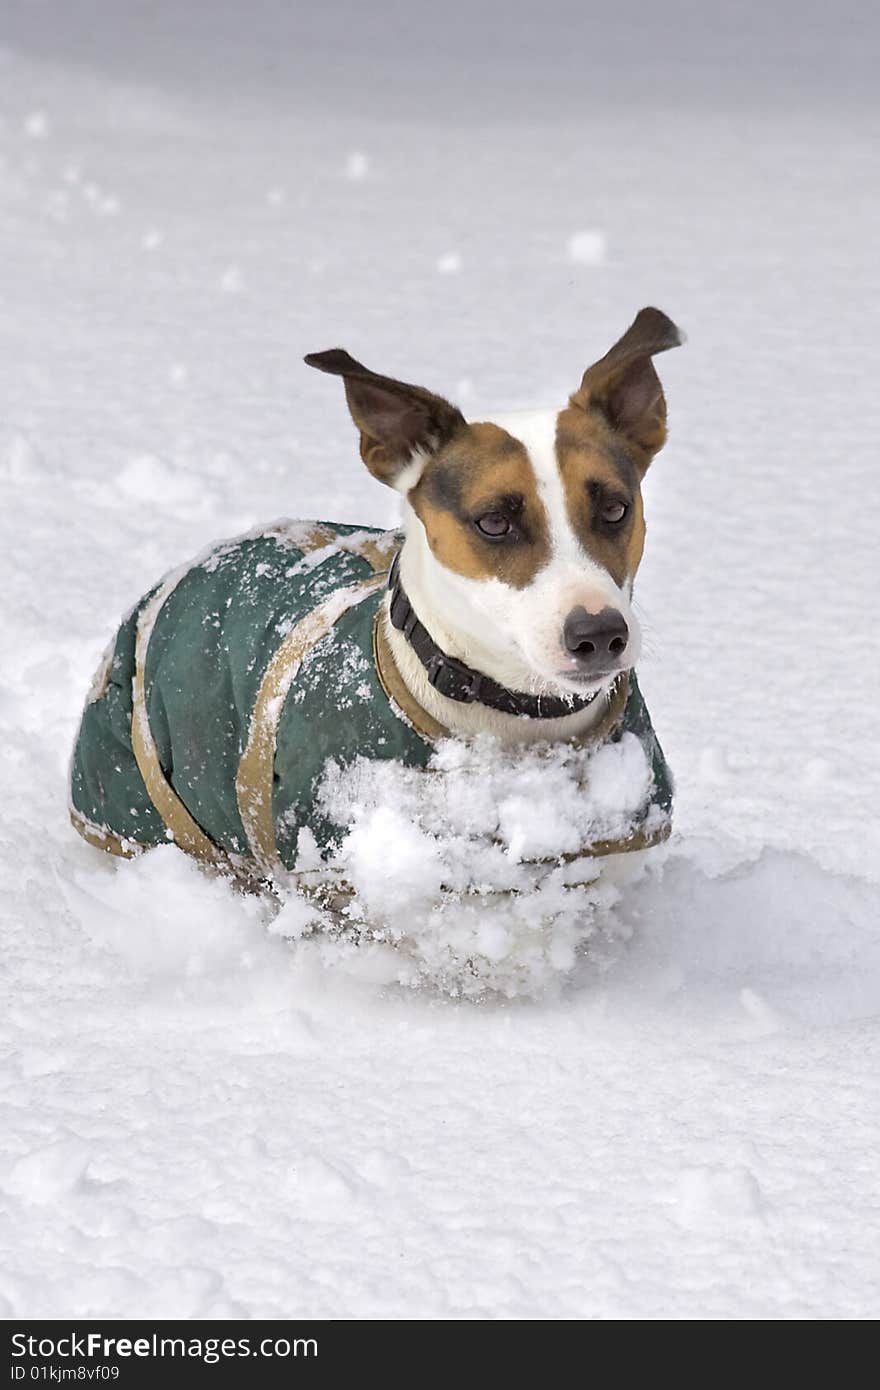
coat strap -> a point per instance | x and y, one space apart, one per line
181 827
402 701
253 782
103 838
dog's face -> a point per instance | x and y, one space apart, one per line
531 526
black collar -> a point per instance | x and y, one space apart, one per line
456 681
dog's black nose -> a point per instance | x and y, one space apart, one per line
596 640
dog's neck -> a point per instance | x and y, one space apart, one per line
461 632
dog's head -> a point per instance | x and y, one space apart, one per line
527 530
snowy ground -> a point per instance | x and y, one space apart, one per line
197 1121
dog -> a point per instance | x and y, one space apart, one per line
504 609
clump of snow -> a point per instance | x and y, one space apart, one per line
111 909
718 1194
449 264
357 165
36 125
587 248
20 461
146 478
232 280
470 876
47 1173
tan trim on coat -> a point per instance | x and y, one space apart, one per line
183 829
254 779
378 551
614 711
317 537
399 694
639 839
102 838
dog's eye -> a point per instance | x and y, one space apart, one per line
494 524
614 512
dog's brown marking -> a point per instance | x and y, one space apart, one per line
482 470
596 470
613 426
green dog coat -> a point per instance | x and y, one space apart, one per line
230 685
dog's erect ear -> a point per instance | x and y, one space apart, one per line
624 386
397 422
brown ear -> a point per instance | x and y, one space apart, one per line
624 386
395 420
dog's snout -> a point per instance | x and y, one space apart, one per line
597 641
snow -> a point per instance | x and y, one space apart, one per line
203 1116
231 281
587 248
357 165
471 877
